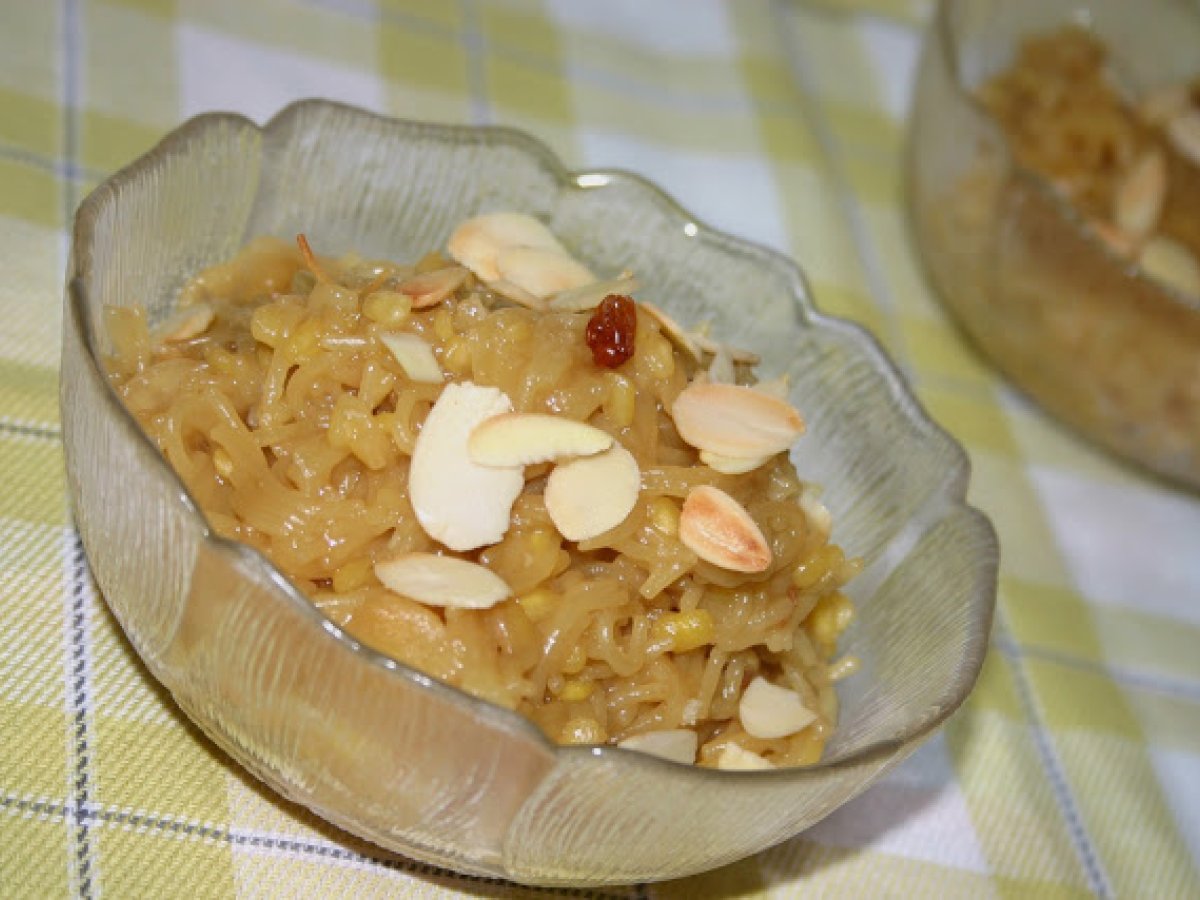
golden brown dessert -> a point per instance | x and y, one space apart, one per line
1129 164
1067 245
513 477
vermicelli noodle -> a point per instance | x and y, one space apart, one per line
293 426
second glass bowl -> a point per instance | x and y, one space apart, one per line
1084 331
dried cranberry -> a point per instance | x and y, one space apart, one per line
611 331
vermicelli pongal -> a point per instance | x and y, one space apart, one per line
516 478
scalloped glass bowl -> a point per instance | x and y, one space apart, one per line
385 751
1099 344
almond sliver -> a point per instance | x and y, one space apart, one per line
185 323
732 420
733 465
676 744
442 581
516 294
587 497
708 345
720 368
674 332
1171 262
736 758
776 387
475 242
414 355
718 529
589 296
459 502
431 288
1139 196
522 439
769 711
541 271
1184 133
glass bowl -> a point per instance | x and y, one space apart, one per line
385 751
1083 330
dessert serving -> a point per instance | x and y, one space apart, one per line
521 479
274 369
1055 191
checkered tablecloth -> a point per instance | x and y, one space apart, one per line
1073 769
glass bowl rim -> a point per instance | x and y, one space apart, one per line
941 31
970 663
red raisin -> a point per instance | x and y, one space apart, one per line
611 331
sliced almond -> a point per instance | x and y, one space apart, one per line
185 323
1184 132
718 529
674 331
442 581
459 502
733 465
516 294
676 744
523 439
476 241
732 420
736 758
431 288
1139 197
540 271
588 296
769 711
589 496
414 355
708 345
1172 263
1161 104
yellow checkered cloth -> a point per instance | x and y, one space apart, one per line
1074 768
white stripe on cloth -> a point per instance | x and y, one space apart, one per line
220 72
917 812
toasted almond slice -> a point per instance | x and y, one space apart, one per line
516 294
674 332
541 272
1161 104
185 323
442 581
769 711
414 355
522 439
476 241
431 288
1172 263
588 496
458 502
708 345
718 529
733 465
1184 132
733 420
588 296
676 744
1138 200
736 758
